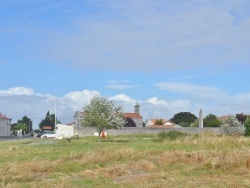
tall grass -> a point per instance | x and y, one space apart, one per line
205 160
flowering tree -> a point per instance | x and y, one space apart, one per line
231 126
102 114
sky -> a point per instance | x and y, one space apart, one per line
169 56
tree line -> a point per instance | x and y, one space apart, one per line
26 124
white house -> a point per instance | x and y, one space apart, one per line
78 117
152 122
5 124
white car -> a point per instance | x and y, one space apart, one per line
50 134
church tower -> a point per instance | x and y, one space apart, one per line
137 108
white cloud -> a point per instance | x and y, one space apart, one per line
78 99
156 101
119 84
122 98
17 91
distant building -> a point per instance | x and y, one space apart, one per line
136 117
152 122
5 124
222 118
47 128
78 118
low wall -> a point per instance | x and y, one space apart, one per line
89 131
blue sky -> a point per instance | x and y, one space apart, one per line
170 56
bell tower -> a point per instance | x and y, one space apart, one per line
137 108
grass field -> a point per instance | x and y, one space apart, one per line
142 161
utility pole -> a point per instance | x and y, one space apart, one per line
55 113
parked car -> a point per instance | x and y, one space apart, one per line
50 134
31 134
40 134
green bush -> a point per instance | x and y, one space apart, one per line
247 125
184 124
171 135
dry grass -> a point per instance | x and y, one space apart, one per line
205 160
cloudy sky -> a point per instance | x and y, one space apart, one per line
170 56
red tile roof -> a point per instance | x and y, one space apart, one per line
47 127
222 118
71 123
3 116
132 115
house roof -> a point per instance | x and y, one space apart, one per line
78 113
71 123
47 127
132 115
222 118
3 116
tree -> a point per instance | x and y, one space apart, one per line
25 124
241 117
186 117
247 125
211 120
195 123
49 120
19 126
102 114
231 126
129 122
159 122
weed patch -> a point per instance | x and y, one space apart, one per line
171 135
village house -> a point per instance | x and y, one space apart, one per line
78 118
160 123
135 116
5 124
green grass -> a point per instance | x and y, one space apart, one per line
205 160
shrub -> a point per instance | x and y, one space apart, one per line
159 122
171 135
232 127
195 123
211 121
247 125
184 124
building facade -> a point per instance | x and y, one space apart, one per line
78 118
5 124
136 117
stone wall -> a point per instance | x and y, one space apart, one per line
89 131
